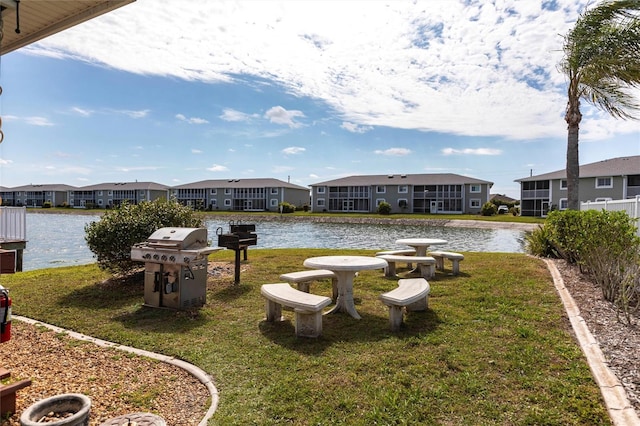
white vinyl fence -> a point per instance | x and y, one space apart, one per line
631 206
13 224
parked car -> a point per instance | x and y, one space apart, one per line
503 209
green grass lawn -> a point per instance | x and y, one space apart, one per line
494 347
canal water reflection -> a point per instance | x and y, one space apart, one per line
58 239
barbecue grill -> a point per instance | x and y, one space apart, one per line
175 261
239 238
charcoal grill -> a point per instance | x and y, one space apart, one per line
175 260
239 238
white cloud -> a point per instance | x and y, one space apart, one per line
279 115
218 168
229 114
451 66
471 151
135 114
38 121
394 152
5 162
354 128
293 150
196 151
81 111
191 120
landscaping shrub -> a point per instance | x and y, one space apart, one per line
384 208
111 237
603 244
287 207
488 209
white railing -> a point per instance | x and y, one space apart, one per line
13 224
631 206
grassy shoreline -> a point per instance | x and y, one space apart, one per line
494 348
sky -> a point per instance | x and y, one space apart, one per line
301 91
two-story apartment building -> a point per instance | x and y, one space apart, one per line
613 179
105 195
35 195
240 194
406 193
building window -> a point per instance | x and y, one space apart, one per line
213 191
563 184
475 188
214 203
604 182
110 193
320 202
227 191
322 189
380 200
274 191
381 189
227 202
474 203
564 204
99 193
274 202
403 189
403 203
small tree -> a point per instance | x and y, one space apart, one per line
384 208
111 238
488 209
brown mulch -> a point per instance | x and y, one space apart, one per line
118 383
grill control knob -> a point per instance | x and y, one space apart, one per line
172 258
156 257
164 258
187 260
147 256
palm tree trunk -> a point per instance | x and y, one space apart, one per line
573 118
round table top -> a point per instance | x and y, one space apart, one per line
420 241
345 263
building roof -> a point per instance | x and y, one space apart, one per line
39 19
124 186
620 166
404 179
240 183
42 187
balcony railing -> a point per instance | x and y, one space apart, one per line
13 224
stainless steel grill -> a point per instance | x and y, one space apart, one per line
176 263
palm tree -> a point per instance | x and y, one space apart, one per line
602 65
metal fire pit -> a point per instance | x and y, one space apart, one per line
175 274
239 238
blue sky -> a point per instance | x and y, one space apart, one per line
305 91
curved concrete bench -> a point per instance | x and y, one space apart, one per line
455 259
307 307
426 264
304 278
412 294
405 252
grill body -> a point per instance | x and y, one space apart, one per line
176 264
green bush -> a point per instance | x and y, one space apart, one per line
111 238
384 208
488 209
287 207
603 244
47 205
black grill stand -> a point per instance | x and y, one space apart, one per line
239 238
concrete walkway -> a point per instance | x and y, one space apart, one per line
615 397
190 368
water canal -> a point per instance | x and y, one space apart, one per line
58 239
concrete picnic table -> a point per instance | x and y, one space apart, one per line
420 244
345 268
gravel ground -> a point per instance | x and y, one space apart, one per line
118 383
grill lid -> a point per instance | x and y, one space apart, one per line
179 238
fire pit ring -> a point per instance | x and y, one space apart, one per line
75 403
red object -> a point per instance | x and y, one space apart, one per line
5 315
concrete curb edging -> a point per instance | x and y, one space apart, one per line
615 397
199 374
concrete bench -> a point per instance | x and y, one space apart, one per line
405 252
455 258
307 307
304 278
8 393
411 294
426 264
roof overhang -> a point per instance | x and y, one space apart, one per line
39 19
